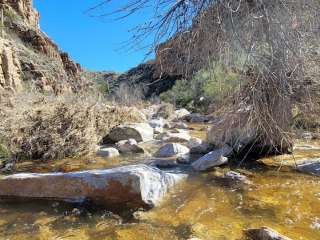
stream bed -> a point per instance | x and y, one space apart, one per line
200 207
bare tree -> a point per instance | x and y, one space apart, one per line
274 44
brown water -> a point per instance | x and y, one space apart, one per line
200 207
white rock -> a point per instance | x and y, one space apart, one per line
129 146
158 130
171 150
180 113
212 159
130 186
141 132
108 152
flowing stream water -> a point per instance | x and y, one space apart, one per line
279 197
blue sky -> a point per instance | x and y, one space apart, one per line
97 44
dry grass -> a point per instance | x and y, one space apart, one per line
35 126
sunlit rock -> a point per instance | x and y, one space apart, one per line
108 152
141 132
171 150
212 159
130 186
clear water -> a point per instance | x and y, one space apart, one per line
200 207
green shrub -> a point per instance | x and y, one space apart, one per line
210 85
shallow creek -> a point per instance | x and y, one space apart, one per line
280 198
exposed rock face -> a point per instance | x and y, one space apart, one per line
264 233
149 78
141 132
131 186
10 76
29 56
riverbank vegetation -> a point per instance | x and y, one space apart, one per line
37 126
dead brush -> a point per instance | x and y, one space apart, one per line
50 127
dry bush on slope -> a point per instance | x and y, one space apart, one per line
47 127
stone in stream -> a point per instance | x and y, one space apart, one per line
129 146
108 152
233 179
141 132
311 166
171 150
213 159
155 123
132 186
264 233
198 146
179 137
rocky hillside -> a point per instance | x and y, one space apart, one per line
29 58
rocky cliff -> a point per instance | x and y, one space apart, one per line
29 58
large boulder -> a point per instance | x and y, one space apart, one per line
154 123
213 159
264 233
141 132
132 186
171 150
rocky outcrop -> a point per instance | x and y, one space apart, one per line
130 186
10 72
32 57
147 77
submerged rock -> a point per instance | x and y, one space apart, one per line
129 146
264 233
108 152
212 159
171 150
141 132
130 186
163 163
233 179
311 166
